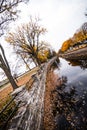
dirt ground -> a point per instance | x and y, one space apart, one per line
7 89
51 83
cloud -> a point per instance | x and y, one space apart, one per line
61 18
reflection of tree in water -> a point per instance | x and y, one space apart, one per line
81 63
69 110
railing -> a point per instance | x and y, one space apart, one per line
5 119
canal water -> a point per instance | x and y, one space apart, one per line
70 102
75 72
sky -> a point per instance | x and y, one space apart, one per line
61 18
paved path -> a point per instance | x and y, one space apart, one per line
75 55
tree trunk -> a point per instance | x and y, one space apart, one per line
10 77
8 73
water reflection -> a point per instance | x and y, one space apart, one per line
70 96
81 63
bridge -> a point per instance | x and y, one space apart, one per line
79 54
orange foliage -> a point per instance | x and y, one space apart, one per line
66 45
77 37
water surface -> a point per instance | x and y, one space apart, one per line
76 74
70 102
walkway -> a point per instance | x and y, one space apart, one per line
75 55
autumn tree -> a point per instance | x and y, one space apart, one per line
66 45
27 41
46 54
79 36
8 13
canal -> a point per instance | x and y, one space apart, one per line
57 99
70 95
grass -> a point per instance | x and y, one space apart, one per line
5 114
6 89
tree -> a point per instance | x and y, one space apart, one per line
84 28
66 45
5 67
78 37
26 41
8 12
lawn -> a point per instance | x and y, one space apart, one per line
7 89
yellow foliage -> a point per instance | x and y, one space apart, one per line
78 37
66 45
43 56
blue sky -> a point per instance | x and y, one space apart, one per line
61 18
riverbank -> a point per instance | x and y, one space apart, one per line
51 83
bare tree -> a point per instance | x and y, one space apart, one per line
5 67
26 41
8 13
